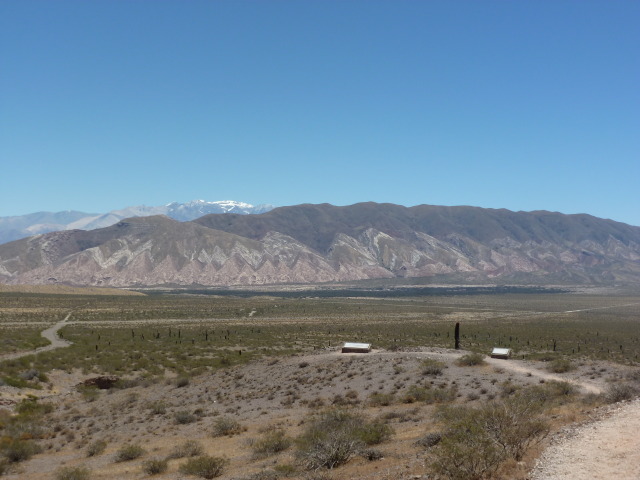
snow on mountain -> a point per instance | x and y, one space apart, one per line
198 208
14 228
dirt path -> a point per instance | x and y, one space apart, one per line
50 334
521 367
608 448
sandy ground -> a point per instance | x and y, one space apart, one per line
607 448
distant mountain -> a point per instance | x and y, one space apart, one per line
325 243
14 228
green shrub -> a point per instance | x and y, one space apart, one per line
471 360
90 394
129 452
183 417
204 466
414 394
17 450
30 407
73 473
335 436
440 395
154 466
432 367
272 442
477 440
373 433
226 426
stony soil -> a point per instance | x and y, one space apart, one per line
274 393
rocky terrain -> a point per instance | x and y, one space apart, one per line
324 243
281 394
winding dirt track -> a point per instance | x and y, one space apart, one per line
50 334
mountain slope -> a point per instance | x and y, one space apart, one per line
323 243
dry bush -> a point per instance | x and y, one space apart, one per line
154 466
18 450
560 365
190 448
477 441
204 466
335 436
73 473
183 417
158 408
128 452
619 392
270 443
429 440
378 399
470 360
226 426
432 367
96 448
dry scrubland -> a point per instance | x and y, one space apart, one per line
254 388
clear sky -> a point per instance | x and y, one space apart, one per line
525 105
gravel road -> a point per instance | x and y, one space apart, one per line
607 448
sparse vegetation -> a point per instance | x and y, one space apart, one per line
183 417
226 426
154 466
204 466
619 392
335 436
271 442
158 345
190 448
73 473
129 452
471 360
476 441
96 448
561 365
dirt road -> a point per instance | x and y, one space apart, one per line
608 448
50 334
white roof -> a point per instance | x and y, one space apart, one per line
501 351
357 345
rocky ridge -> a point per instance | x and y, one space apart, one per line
323 243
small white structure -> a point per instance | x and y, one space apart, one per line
351 347
503 353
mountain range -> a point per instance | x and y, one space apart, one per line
16 227
325 243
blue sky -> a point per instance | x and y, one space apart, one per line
525 105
